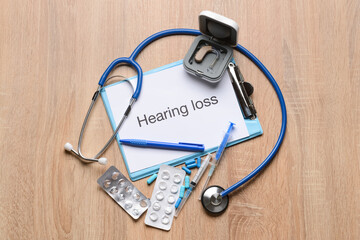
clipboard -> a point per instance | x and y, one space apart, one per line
111 102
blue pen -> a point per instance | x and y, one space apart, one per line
153 144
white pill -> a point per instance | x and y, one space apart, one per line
156 206
171 199
153 217
165 175
168 210
160 196
177 178
165 220
174 189
162 185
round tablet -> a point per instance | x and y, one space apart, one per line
160 196
156 206
171 199
177 178
165 220
162 185
168 210
174 189
165 175
153 217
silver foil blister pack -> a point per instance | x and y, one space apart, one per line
166 192
124 192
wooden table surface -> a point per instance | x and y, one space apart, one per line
52 54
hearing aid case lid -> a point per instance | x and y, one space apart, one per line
222 29
220 33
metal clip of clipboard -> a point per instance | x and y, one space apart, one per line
243 91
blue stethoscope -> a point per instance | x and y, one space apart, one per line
216 197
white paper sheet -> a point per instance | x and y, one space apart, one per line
184 108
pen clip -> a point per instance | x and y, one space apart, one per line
191 144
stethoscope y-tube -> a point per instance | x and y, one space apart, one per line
131 61
104 78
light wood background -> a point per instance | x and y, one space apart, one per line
52 54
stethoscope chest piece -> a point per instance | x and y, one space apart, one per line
213 202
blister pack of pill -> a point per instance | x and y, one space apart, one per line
124 192
166 192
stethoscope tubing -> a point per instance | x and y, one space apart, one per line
280 139
184 31
249 55
129 61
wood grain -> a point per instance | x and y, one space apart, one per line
52 54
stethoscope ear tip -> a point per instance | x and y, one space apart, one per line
102 161
68 147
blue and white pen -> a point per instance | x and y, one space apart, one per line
166 145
